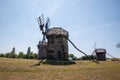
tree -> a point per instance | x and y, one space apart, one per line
21 55
7 55
27 56
28 53
89 57
71 55
29 50
83 58
13 50
32 56
2 55
13 54
35 56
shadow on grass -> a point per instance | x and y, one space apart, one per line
55 62
96 61
59 62
39 63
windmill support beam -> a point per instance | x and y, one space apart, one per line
77 48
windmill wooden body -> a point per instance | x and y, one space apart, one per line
57 45
100 54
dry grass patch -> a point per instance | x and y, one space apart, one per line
24 69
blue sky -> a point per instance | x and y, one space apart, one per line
87 21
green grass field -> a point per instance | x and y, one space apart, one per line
24 69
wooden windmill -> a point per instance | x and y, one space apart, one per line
56 46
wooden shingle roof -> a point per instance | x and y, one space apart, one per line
57 31
100 50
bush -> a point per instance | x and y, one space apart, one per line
35 56
7 55
13 55
71 55
77 59
31 56
89 57
21 55
2 55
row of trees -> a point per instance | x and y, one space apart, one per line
31 55
12 54
88 57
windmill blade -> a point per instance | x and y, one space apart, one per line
41 24
47 24
40 21
48 21
43 40
118 45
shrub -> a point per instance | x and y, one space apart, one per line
13 55
2 55
7 55
21 55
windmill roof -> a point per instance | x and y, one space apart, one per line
100 50
57 31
